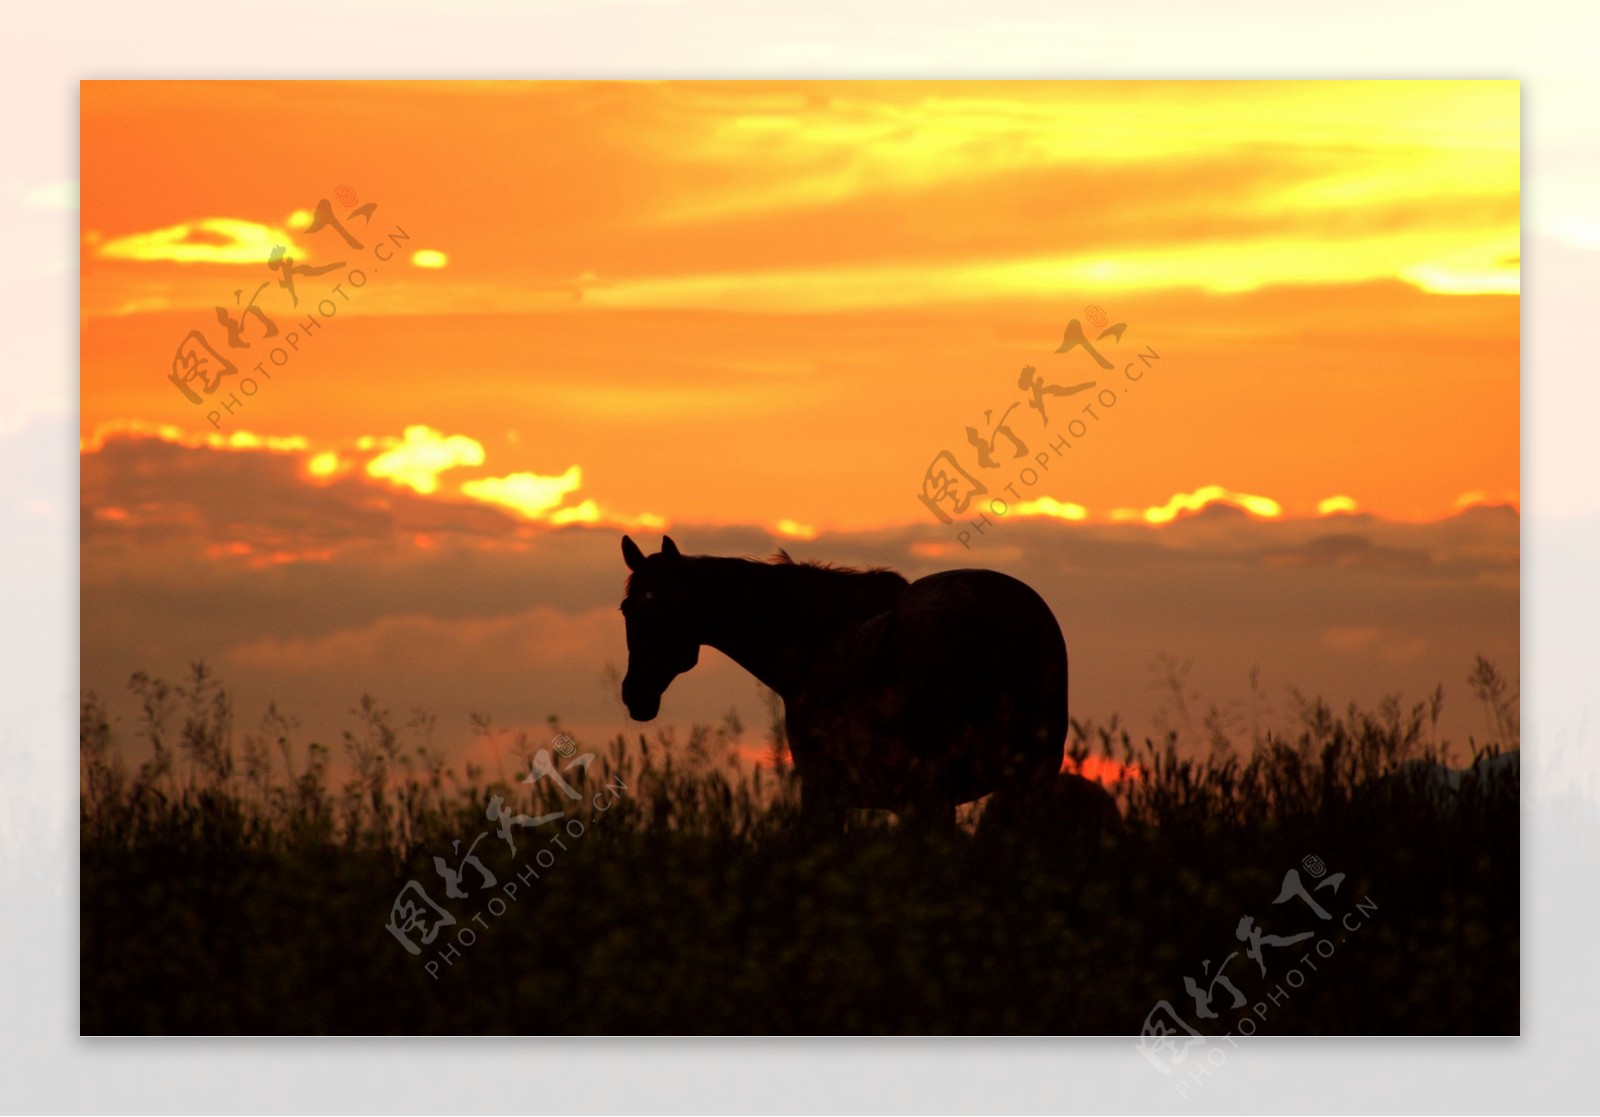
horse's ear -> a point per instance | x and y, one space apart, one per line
668 547
631 554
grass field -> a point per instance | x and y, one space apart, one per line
234 884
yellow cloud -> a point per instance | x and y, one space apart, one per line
1339 149
166 432
1478 497
425 453
800 149
1433 260
1048 506
586 513
1491 267
212 240
325 464
533 495
1261 506
429 258
792 529
1335 504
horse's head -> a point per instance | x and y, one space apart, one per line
661 638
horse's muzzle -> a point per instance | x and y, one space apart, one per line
642 705
645 709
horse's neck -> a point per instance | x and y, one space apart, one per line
747 615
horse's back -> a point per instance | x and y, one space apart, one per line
984 669
979 599
957 689
988 622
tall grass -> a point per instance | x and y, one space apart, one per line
241 881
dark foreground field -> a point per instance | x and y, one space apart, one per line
227 893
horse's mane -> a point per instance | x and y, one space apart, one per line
874 581
880 578
844 589
877 573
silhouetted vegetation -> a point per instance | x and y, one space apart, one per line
242 883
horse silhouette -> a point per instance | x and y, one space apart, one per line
911 697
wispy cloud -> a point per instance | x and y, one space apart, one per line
210 240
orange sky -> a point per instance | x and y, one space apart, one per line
768 302
753 314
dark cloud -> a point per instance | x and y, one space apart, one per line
312 594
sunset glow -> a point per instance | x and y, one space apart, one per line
1103 770
1186 358
713 273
